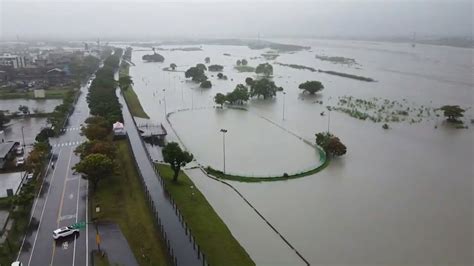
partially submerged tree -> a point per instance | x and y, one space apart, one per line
3 119
207 60
220 99
215 68
263 87
176 157
206 84
95 167
196 74
238 62
201 66
249 81
244 62
24 109
173 66
265 69
331 144
239 95
311 86
452 112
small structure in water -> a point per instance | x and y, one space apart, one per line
154 133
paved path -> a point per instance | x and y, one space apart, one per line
182 248
115 245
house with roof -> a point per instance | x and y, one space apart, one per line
7 152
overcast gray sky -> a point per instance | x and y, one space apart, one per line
233 18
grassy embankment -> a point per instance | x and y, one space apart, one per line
210 232
131 97
50 93
123 201
248 179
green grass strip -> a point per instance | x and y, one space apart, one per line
209 231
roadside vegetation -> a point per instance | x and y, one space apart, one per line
209 231
123 201
101 98
337 59
19 206
126 86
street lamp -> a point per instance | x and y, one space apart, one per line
284 93
223 145
329 117
23 137
164 99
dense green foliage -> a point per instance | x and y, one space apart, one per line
95 167
3 119
452 112
206 84
331 144
196 74
102 98
311 86
153 58
265 69
176 157
81 67
238 96
263 87
201 66
220 99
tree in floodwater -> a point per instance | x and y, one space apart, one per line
265 69
173 66
24 109
331 144
311 86
249 81
196 74
206 84
244 62
220 99
176 157
201 66
452 112
239 62
3 119
263 87
207 60
239 95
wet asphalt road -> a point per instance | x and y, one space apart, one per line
62 201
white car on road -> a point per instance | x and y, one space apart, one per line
64 231
20 161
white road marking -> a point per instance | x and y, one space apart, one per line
71 196
77 210
35 204
87 223
42 213
67 217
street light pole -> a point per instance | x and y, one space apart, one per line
164 99
329 118
23 137
223 144
284 93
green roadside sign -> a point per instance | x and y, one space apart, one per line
79 225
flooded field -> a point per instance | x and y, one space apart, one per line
31 127
253 145
35 106
399 196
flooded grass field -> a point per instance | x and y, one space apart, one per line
399 196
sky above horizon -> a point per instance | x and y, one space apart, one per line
112 19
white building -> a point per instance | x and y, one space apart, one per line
14 61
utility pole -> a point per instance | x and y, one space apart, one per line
284 93
329 118
164 99
223 145
23 137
